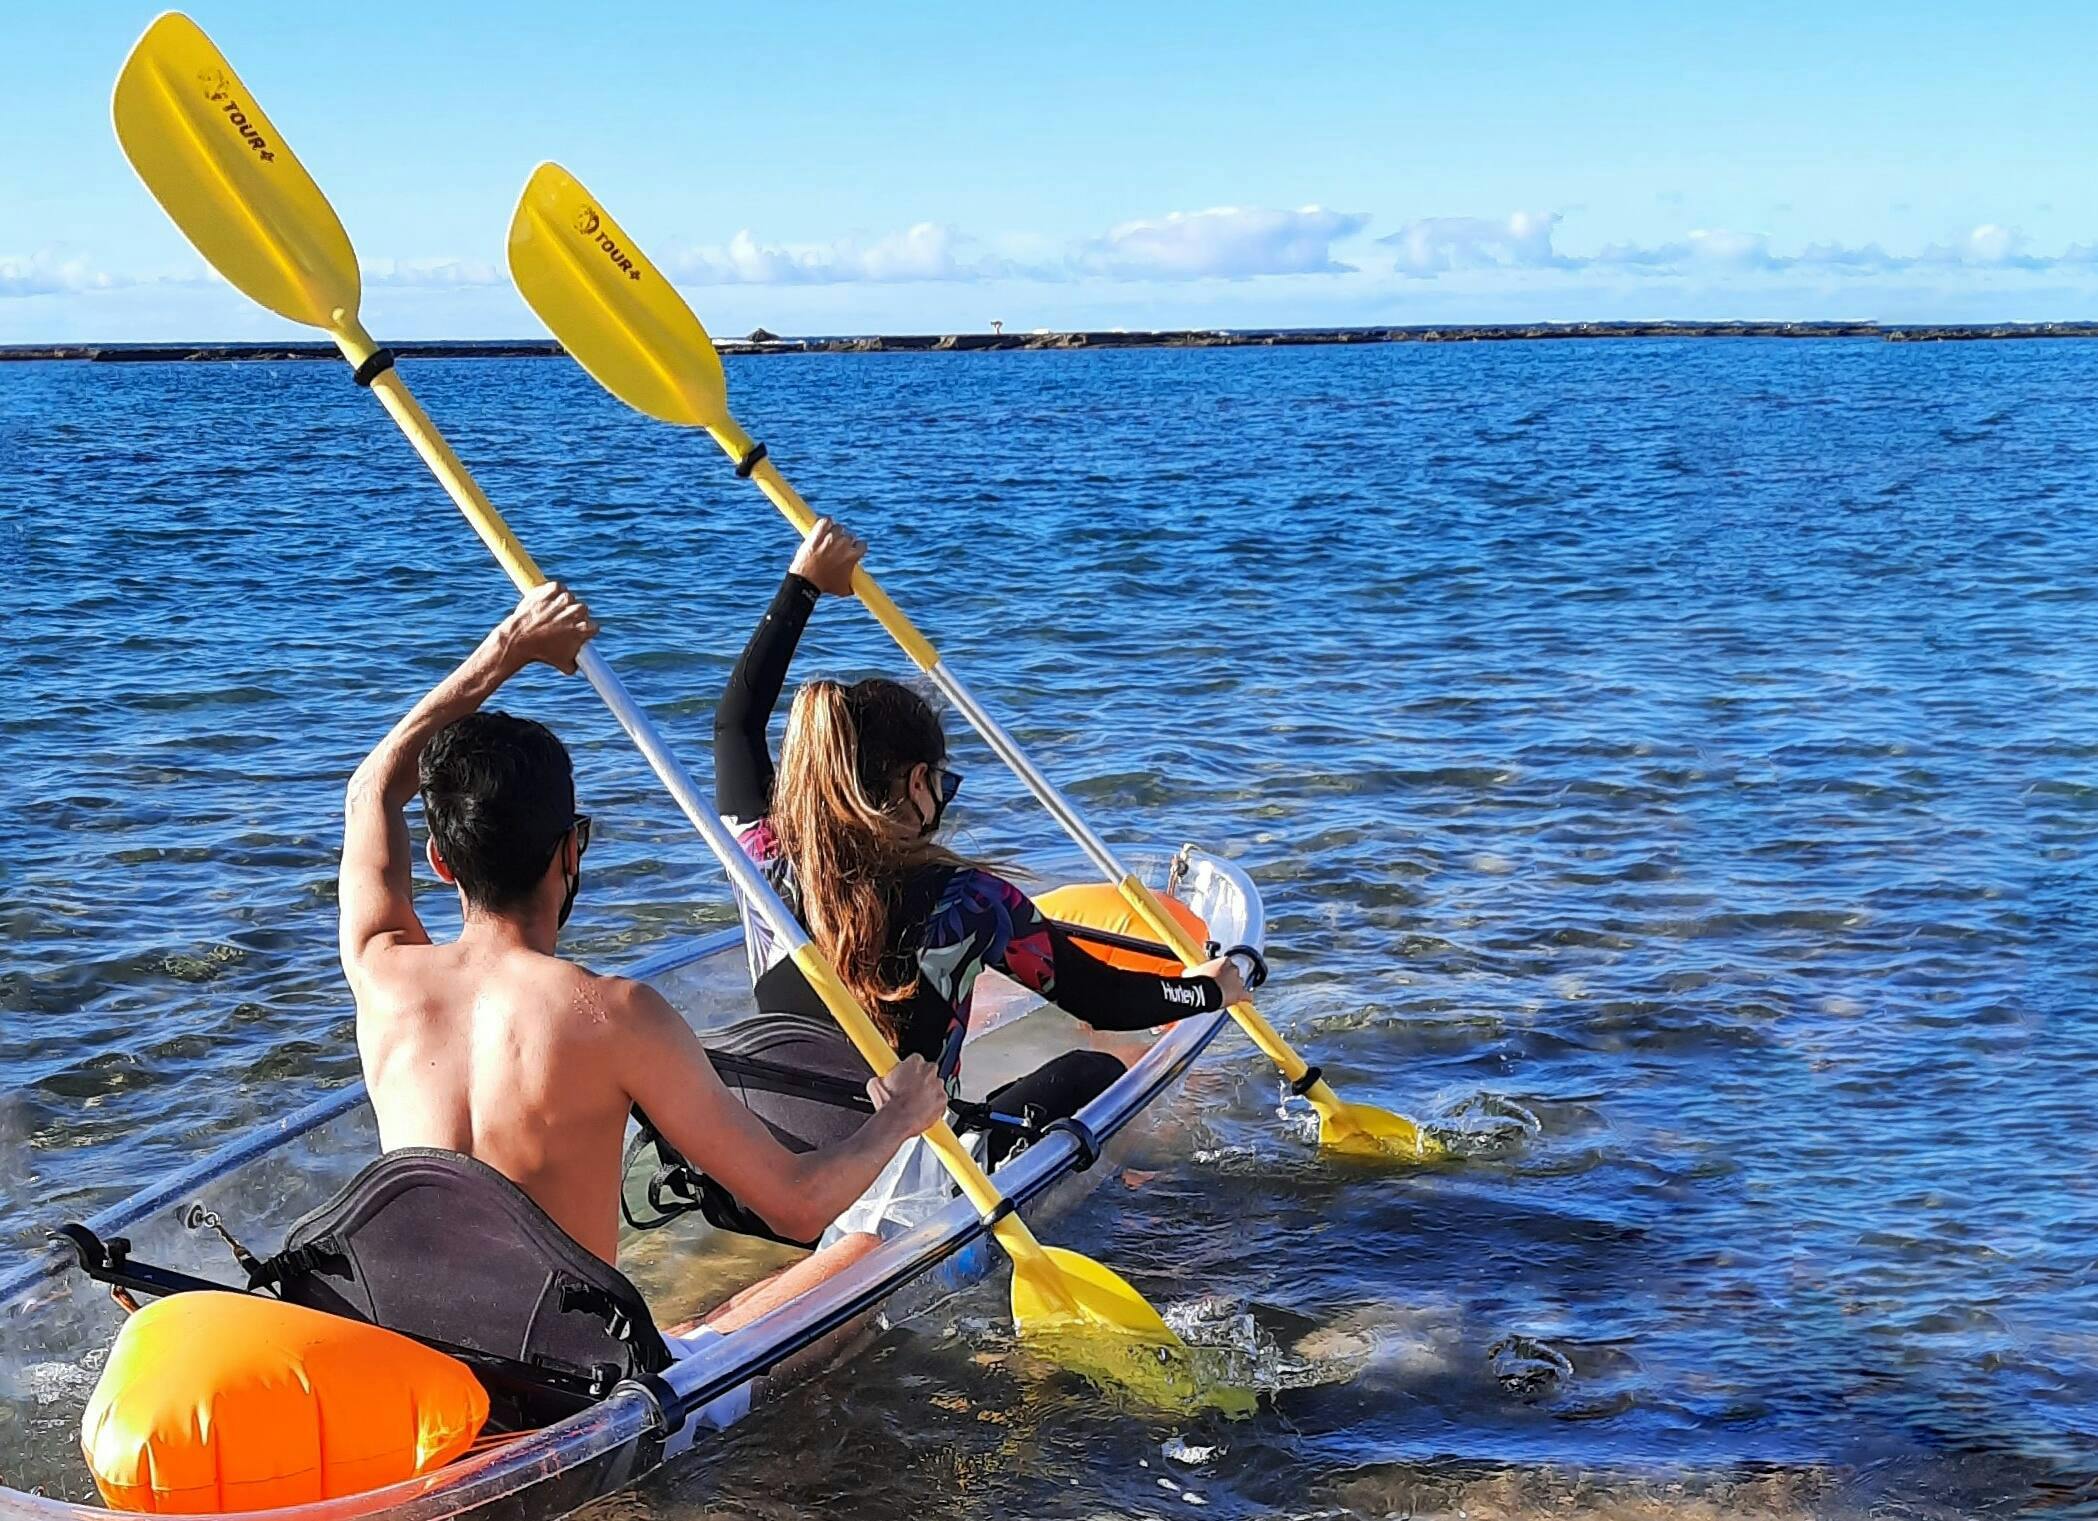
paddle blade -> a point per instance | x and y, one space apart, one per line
1064 1291
221 171
609 306
1363 1130
1090 1320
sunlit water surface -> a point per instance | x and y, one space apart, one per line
1686 746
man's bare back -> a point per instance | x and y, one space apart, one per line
509 1056
495 1047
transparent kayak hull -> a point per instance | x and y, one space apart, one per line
55 1324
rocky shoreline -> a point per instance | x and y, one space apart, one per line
966 343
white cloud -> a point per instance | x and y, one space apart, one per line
1225 242
1433 245
928 251
443 274
45 274
1524 240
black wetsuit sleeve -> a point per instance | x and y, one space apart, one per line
1039 953
742 756
1116 998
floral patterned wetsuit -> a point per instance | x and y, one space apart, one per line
949 925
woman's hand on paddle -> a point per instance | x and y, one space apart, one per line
912 1089
551 623
828 557
1228 977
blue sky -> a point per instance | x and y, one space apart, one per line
931 167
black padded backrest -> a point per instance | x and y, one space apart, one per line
799 1120
438 1245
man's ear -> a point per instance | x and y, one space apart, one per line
444 872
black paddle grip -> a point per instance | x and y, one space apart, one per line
375 364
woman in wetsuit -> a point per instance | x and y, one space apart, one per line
845 831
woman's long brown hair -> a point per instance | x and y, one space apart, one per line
847 751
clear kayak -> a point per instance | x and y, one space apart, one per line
56 1324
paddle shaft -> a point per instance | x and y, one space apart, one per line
739 446
393 393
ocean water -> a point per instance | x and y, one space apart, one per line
1678 759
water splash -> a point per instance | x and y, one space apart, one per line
1232 1348
1482 1124
1527 1368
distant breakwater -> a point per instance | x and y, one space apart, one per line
969 343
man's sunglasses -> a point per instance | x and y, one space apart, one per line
580 827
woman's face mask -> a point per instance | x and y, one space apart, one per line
940 785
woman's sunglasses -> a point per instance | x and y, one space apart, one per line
950 784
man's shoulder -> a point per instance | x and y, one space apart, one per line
435 975
629 1002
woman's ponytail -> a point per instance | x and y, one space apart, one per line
846 750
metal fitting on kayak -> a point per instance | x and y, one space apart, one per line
1312 1077
750 462
664 1404
375 364
1256 968
1079 1131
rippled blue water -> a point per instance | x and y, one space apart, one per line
1691 744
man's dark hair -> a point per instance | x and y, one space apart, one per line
499 793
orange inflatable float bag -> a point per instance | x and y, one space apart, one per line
1099 906
233 1402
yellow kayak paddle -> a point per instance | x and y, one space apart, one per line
624 323
221 170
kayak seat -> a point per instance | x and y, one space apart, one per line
446 1249
803 1081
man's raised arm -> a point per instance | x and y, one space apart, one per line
374 887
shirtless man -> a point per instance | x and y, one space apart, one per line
494 1046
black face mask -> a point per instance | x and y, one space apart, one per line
580 827
575 885
943 784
